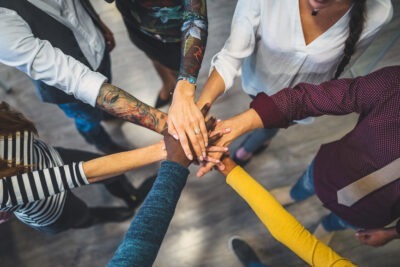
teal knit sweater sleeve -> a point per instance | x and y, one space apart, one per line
147 230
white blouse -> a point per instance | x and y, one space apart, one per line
267 41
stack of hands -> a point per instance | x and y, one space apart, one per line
209 147
219 135
209 144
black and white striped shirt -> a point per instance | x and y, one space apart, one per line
37 197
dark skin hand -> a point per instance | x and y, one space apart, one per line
228 164
377 237
174 149
108 36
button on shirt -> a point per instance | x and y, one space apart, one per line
267 42
41 61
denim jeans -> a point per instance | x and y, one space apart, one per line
87 118
256 139
304 188
87 121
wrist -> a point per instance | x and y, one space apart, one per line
185 89
188 78
243 123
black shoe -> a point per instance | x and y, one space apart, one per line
109 214
242 162
123 189
163 102
99 215
146 186
243 251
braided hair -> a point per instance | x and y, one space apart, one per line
356 26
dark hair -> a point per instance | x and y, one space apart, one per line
12 122
356 26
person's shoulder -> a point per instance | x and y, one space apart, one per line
379 12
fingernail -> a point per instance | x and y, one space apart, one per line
226 149
199 174
204 154
201 158
176 137
190 157
206 144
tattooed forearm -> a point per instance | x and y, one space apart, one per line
125 106
194 37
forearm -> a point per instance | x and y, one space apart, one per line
123 105
194 39
213 88
242 123
336 97
115 164
282 225
147 230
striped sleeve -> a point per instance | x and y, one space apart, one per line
37 185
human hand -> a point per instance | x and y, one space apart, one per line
186 122
238 125
5 216
174 149
108 36
376 237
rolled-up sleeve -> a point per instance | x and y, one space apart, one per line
37 58
240 43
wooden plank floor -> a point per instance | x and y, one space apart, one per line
209 212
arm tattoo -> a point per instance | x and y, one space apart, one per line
121 104
194 37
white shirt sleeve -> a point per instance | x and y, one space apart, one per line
41 61
240 43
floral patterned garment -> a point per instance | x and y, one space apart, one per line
174 21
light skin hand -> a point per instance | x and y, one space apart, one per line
184 117
377 237
240 124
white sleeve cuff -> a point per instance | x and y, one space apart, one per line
89 86
80 164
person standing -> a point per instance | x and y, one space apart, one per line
173 34
75 28
279 44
